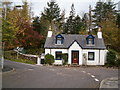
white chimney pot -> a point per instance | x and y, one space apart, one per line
99 33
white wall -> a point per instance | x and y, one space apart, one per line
75 46
99 58
52 51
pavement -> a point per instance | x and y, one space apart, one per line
110 83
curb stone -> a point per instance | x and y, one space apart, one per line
9 71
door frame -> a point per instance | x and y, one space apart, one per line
72 56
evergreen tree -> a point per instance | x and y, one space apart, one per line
101 11
36 25
73 24
52 14
68 27
118 20
78 25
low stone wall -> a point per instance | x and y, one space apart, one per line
34 59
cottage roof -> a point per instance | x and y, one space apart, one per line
70 38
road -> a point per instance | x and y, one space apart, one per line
37 76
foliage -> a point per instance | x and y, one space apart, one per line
34 51
11 55
105 16
118 20
49 59
110 33
102 10
111 58
65 58
52 14
17 29
73 24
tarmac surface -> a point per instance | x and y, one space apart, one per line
38 76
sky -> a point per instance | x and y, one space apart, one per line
81 6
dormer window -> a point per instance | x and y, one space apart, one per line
90 40
59 39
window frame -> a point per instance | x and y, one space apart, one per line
56 55
90 38
91 59
60 38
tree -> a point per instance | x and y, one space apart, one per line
118 20
74 23
78 25
105 17
17 29
52 14
102 10
36 25
68 27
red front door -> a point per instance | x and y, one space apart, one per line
75 57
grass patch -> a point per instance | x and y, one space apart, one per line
12 56
23 61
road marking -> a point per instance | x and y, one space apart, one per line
67 68
62 74
84 71
75 69
96 79
89 73
92 76
30 69
52 69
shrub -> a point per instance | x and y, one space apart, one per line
49 59
118 62
111 58
65 58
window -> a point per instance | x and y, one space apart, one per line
58 55
91 56
90 40
59 40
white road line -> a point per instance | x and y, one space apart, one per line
75 69
96 79
92 76
67 68
84 71
52 69
89 73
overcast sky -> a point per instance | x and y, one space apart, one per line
81 6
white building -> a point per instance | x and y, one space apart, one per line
81 49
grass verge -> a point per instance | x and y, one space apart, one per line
23 61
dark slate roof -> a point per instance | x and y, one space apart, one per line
70 38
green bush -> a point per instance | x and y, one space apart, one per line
111 58
65 58
49 59
118 62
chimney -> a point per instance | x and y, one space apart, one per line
49 32
99 33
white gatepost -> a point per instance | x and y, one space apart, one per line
38 61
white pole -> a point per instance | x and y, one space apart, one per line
2 61
38 61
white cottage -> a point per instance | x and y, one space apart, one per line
81 49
